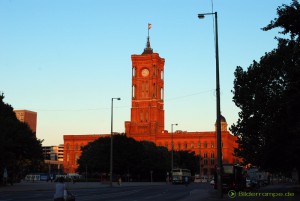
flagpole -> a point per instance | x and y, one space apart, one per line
148 30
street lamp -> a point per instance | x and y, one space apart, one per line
111 140
172 145
219 144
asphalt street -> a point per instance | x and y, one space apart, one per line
43 191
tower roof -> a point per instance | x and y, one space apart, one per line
148 49
222 119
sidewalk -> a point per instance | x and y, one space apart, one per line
50 186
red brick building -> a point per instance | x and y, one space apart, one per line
147 120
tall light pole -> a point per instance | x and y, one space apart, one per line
172 147
219 142
111 141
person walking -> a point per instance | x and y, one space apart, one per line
186 181
59 190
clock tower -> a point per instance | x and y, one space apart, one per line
147 100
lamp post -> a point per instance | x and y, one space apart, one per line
172 148
219 142
111 140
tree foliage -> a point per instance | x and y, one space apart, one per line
268 94
131 157
20 151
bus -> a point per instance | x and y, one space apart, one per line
232 177
179 175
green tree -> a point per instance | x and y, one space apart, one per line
20 151
137 159
268 94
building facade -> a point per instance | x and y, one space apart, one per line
53 158
28 117
147 120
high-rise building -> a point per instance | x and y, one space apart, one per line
28 117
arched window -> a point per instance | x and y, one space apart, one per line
146 116
212 155
162 75
162 93
133 91
133 72
68 147
154 90
141 116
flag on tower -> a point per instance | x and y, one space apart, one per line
149 26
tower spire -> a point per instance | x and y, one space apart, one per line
148 49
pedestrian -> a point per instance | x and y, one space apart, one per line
120 181
186 181
59 190
5 176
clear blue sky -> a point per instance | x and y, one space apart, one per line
66 59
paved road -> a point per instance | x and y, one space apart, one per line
44 191
95 191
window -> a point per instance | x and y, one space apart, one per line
141 116
68 157
205 144
192 145
68 146
146 90
205 162
133 72
212 155
212 161
146 117
179 145
162 93
212 145
133 91
154 90
143 89
205 155
185 145
162 75
199 144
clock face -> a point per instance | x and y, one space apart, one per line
145 72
